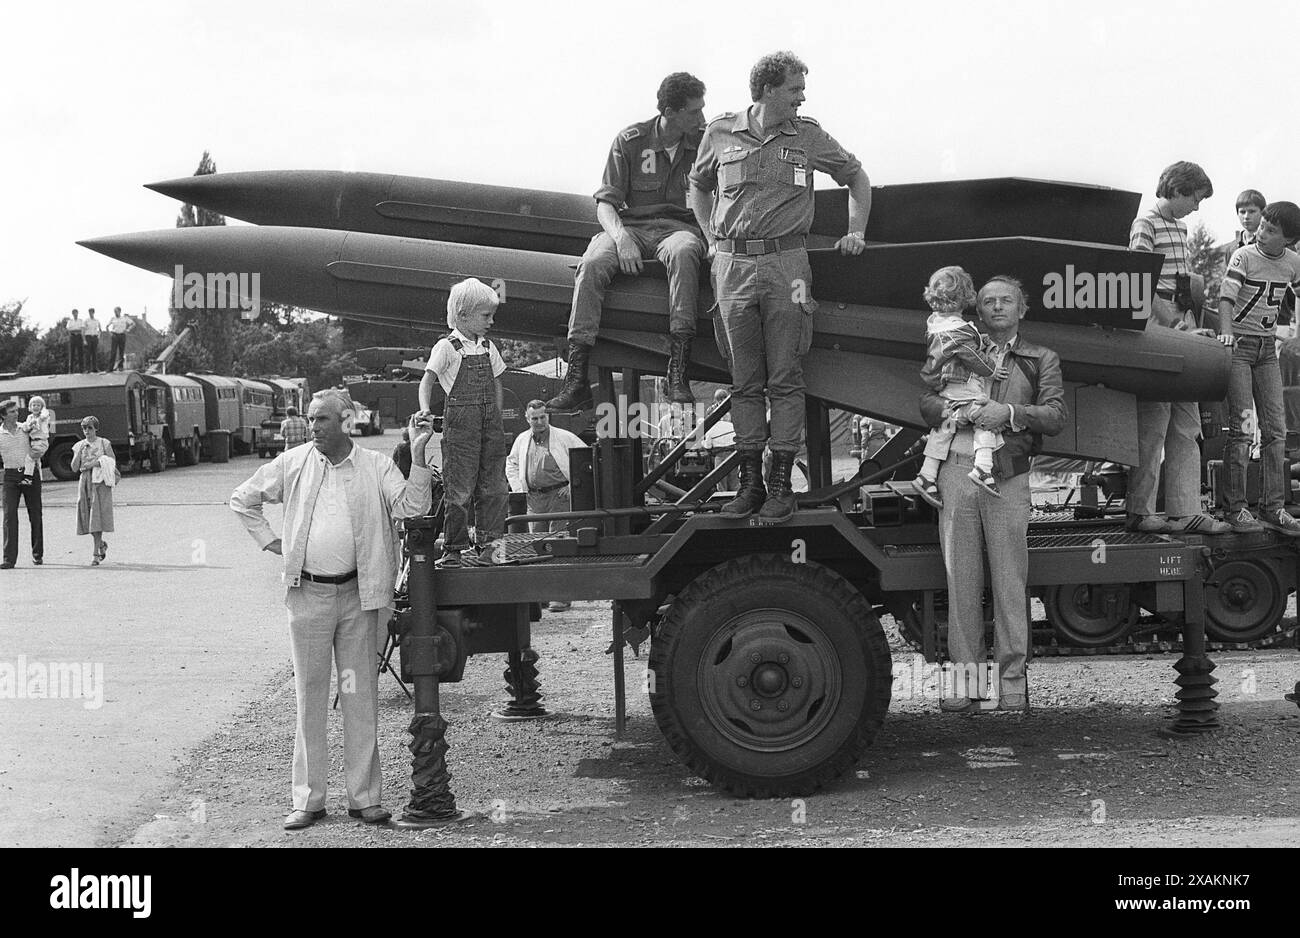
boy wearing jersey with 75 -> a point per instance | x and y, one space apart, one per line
1258 279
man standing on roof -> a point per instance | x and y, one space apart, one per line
752 193
641 205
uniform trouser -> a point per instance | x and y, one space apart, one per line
92 352
473 470
31 496
76 352
1255 377
1171 427
766 306
676 245
327 621
544 502
973 522
117 351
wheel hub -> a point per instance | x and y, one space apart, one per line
769 680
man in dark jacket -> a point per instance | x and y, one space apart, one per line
1028 405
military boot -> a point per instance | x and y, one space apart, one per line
779 506
679 388
751 494
575 393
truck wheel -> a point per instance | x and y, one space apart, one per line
1090 616
1244 601
60 462
770 678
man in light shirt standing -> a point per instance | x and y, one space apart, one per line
76 328
117 328
15 448
91 331
340 558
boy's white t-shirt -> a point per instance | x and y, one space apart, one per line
445 362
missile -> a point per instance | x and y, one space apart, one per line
404 282
563 223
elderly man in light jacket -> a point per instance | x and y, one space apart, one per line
340 554
539 465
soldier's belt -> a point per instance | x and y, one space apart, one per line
761 246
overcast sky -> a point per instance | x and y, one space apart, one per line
99 99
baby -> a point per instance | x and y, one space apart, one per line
957 367
38 423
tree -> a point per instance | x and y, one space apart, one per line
16 337
47 355
1206 260
213 328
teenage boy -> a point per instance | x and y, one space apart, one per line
1258 278
1171 427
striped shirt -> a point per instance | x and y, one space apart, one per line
14 448
1162 235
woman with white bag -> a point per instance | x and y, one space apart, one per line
93 458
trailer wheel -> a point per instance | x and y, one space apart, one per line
770 678
60 462
1090 616
1244 601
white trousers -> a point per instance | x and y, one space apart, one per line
327 623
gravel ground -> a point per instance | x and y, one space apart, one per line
1084 768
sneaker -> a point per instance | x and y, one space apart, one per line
1147 524
928 490
493 552
1283 522
1243 522
1198 524
450 559
984 479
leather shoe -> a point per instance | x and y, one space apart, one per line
557 605
37 561
375 814
957 705
6 566
1013 702
297 820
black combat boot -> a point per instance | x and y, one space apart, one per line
679 388
575 393
751 494
779 506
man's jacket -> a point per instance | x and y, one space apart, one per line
1035 392
378 494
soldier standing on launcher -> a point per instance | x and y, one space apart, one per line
960 360
467 365
641 204
752 192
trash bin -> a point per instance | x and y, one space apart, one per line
219 444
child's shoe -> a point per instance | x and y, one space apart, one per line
984 479
494 552
928 489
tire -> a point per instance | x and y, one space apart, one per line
1090 616
60 462
750 622
1244 601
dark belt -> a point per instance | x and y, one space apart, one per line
549 488
331 580
761 246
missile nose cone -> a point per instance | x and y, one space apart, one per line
183 189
